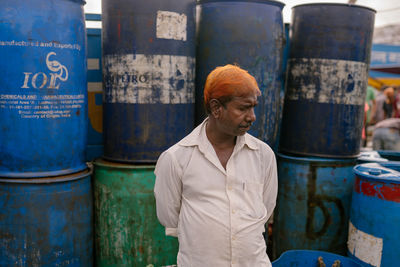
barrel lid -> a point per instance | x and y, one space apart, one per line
378 171
317 159
335 4
371 156
119 165
271 2
49 180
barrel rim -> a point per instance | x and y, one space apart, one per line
49 180
275 3
363 175
82 2
42 174
335 4
311 252
102 162
316 159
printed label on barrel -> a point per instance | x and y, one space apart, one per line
327 81
171 25
149 79
365 247
41 90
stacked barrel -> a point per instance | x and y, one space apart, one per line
248 33
148 54
45 185
321 126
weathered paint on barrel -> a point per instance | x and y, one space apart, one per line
309 258
249 33
43 96
95 91
326 80
313 204
374 231
127 232
46 221
148 75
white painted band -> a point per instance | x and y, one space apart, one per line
93 64
365 247
95 87
327 81
149 79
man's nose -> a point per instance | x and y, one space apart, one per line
251 116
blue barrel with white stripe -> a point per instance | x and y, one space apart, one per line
43 98
249 33
327 78
148 75
374 231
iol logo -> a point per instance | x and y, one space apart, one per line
41 80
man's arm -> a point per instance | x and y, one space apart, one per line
271 185
167 191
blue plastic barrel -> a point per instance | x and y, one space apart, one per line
390 154
327 78
46 221
148 74
374 231
249 33
313 204
43 96
309 258
95 91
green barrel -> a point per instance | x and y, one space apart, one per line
127 231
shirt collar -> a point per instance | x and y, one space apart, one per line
198 138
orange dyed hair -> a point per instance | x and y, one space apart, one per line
226 82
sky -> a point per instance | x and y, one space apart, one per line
388 11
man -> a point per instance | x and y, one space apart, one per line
216 188
386 135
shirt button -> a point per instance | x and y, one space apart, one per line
233 238
233 211
229 187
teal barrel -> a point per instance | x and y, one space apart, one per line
127 232
313 204
46 221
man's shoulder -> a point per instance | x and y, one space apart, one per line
257 144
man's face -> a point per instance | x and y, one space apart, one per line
238 115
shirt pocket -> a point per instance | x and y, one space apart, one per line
252 200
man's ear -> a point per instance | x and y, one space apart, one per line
215 108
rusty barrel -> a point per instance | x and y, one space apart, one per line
47 221
148 74
327 78
127 232
313 204
249 33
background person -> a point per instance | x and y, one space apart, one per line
387 135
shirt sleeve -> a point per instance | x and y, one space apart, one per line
167 191
271 185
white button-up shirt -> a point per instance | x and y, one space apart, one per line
217 214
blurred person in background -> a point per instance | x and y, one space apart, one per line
387 135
